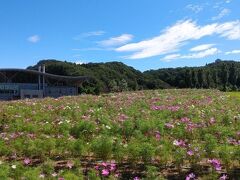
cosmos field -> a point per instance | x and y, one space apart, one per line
161 134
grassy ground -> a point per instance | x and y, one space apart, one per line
162 134
235 94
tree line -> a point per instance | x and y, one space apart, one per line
117 77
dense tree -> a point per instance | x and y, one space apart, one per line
116 76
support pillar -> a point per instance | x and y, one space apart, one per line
44 71
39 78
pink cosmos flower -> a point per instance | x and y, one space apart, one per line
180 143
190 126
157 135
223 177
105 172
185 120
190 176
136 178
216 164
61 178
27 161
173 108
123 117
212 121
104 164
113 167
190 153
69 164
158 107
169 125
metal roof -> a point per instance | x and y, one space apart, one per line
47 75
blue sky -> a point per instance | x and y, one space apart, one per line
145 34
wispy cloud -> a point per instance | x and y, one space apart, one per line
230 30
237 51
89 34
197 55
195 8
176 36
116 41
202 54
94 33
34 39
224 12
88 49
170 57
202 47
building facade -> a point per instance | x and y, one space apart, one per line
21 84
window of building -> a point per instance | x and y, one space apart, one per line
27 96
35 96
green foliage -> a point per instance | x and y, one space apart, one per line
92 175
32 174
4 171
130 133
72 176
210 144
84 129
79 147
102 147
152 172
224 75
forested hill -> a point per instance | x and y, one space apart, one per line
106 77
223 75
116 76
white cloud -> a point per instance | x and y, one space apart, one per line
228 1
80 62
89 34
34 39
171 56
202 54
233 52
94 33
194 8
176 36
88 49
202 47
223 13
197 55
117 41
230 30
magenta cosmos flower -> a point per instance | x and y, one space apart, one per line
105 172
190 176
27 161
223 177
216 164
136 178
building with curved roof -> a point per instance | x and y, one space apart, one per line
25 83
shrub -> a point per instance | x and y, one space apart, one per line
78 147
4 171
84 129
72 176
32 174
102 147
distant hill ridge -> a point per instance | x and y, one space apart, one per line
116 76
